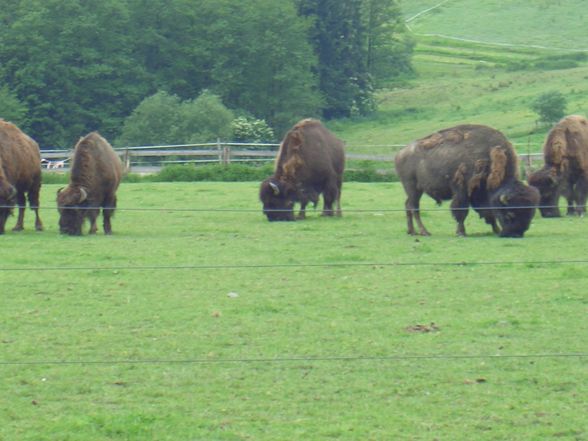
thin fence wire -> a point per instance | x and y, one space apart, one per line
207 267
284 360
275 210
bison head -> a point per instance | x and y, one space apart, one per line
514 206
7 201
548 184
278 200
71 204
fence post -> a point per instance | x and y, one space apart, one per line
226 155
219 150
127 161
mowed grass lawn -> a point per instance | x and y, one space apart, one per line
200 320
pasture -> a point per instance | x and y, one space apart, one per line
198 319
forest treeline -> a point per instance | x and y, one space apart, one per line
71 66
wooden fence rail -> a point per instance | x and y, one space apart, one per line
150 159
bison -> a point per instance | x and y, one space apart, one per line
471 165
565 171
310 161
96 172
20 173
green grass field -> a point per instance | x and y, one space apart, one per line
199 320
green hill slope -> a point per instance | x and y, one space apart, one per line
460 81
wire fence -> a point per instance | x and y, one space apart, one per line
279 210
294 359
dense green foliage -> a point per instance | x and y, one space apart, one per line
326 329
550 106
11 109
76 66
165 119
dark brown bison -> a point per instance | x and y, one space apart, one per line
20 173
311 161
96 172
471 165
566 168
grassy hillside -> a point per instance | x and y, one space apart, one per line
460 81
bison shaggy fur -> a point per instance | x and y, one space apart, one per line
95 176
473 165
565 171
20 175
310 162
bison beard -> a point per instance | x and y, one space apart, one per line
311 161
471 165
95 176
565 172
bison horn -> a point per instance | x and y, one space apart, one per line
83 194
503 199
275 188
13 192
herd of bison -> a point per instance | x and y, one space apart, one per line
471 165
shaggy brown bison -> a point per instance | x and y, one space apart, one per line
20 173
310 161
96 172
471 165
566 168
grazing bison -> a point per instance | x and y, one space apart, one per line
311 161
566 168
96 172
471 165
20 173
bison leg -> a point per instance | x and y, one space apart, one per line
459 210
21 202
34 204
339 213
413 212
581 192
330 195
302 212
107 213
93 215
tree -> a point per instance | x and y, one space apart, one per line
11 109
550 106
166 119
338 36
70 63
389 47
152 122
204 119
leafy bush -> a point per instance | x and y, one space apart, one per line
251 130
364 171
213 172
165 119
550 106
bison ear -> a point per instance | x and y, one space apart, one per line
83 195
503 199
275 188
